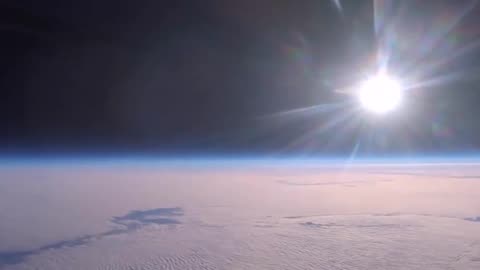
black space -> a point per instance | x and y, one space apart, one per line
204 76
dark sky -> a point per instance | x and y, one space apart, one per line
209 76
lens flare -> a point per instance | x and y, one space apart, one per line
380 94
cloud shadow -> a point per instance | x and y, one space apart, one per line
473 219
130 222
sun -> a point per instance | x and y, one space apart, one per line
380 94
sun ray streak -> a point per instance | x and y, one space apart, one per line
309 136
321 108
353 153
442 33
338 6
433 39
437 81
346 129
435 66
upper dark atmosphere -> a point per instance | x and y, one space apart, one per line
206 76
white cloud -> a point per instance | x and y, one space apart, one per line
238 218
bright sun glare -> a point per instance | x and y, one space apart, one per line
380 94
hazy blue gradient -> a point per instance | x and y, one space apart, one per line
225 160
